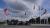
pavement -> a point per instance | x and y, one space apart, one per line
40 24
26 26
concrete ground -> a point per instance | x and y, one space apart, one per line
26 26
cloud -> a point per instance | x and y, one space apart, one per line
9 1
40 2
45 16
1 14
32 1
23 5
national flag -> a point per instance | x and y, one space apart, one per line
34 7
42 8
44 12
39 7
6 12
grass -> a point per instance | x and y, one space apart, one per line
1 23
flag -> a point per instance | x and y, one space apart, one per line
34 7
25 13
39 7
6 12
44 12
42 8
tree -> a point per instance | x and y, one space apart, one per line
49 20
32 21
38 20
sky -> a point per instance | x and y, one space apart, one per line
44 3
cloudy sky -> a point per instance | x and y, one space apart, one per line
26 5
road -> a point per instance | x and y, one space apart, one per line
22 26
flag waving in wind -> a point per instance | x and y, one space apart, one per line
45 11
6 12
34 7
